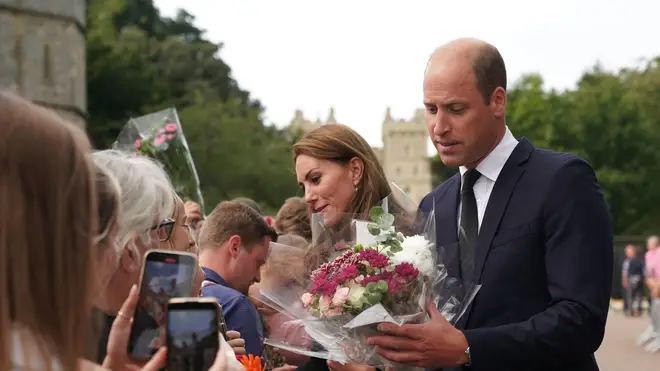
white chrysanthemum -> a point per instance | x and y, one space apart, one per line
416 251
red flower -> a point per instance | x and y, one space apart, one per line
375 258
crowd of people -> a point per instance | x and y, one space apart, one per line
531 226
641 274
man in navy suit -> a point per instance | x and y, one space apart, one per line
530 225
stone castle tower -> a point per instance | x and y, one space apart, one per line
42 54
403 156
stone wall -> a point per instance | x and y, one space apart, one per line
42 53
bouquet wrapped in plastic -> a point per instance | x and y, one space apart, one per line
159 135
385 272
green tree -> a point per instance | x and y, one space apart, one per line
140 62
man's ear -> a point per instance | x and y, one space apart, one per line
356 168
234 244
498 102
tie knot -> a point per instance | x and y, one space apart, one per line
469 178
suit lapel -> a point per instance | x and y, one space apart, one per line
446 224
498 201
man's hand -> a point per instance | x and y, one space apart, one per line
434 344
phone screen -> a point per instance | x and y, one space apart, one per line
166 275
192 336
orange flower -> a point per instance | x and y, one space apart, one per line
252 363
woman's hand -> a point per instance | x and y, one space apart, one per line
236 343
117 353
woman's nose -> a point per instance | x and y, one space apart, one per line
310 197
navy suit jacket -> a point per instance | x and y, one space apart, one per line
544 259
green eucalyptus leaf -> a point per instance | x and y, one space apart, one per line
375 213
382 286
385 221
374 229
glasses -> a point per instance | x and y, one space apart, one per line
164 229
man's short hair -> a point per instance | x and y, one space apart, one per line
232 218
250 202
489 71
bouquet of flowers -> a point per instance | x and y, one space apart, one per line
159 135
386 272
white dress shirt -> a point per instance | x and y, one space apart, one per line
490 168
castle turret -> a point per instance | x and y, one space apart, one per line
43 56
405 157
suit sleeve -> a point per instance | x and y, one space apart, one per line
578 243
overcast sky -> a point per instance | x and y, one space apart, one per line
362 56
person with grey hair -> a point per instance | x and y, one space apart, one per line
152 216
146 199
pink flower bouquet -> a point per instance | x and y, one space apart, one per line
159 135
386 273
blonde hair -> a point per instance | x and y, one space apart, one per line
49 220
293 218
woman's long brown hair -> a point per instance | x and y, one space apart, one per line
47 225
341 144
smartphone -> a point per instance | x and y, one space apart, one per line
193 325
165 275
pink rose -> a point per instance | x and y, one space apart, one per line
324 303
340 296
170 127
307 299
170 136
159 140
137 144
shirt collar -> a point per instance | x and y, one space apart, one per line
493 163
211 275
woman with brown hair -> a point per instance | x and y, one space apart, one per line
340 175
339 172
293 218
47 258
54 217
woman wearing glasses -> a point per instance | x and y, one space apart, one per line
151 217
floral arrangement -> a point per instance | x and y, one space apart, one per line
388 273
252 363
160 136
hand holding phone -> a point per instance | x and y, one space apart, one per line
165 275
193 339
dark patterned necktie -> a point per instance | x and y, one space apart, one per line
469 225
